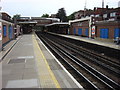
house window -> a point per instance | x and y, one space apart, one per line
105 15
92 15
113 14
97 15
4 31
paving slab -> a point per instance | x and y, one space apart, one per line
22 83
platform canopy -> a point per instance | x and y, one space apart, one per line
58 23
28 22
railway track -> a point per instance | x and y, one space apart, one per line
91 78
104 62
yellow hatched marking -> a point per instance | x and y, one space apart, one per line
46 76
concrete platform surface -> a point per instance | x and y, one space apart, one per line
101 42
8 47
29 64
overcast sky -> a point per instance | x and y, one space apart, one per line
40 7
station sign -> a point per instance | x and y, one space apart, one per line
93 30
0 31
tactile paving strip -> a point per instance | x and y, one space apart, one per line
46 76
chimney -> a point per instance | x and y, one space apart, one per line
95 8
106 6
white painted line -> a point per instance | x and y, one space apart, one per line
25 57
75 81
27 44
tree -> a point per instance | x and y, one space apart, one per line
45 15
62 15
15 17
72 16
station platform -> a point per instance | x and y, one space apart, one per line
102 42
27 63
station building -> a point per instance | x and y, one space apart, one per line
42 22
98 23
7 28
28 24
80 27
58 27
25 24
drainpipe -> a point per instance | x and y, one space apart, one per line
69 26
90 24
1 35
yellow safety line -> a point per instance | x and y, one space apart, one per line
51 73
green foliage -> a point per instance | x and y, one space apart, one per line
62 15
72 16
45 15
16 16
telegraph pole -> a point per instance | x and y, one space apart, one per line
85 7
0 6
102 3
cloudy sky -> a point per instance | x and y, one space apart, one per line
40 7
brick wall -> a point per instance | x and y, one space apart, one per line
9 35
110 25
